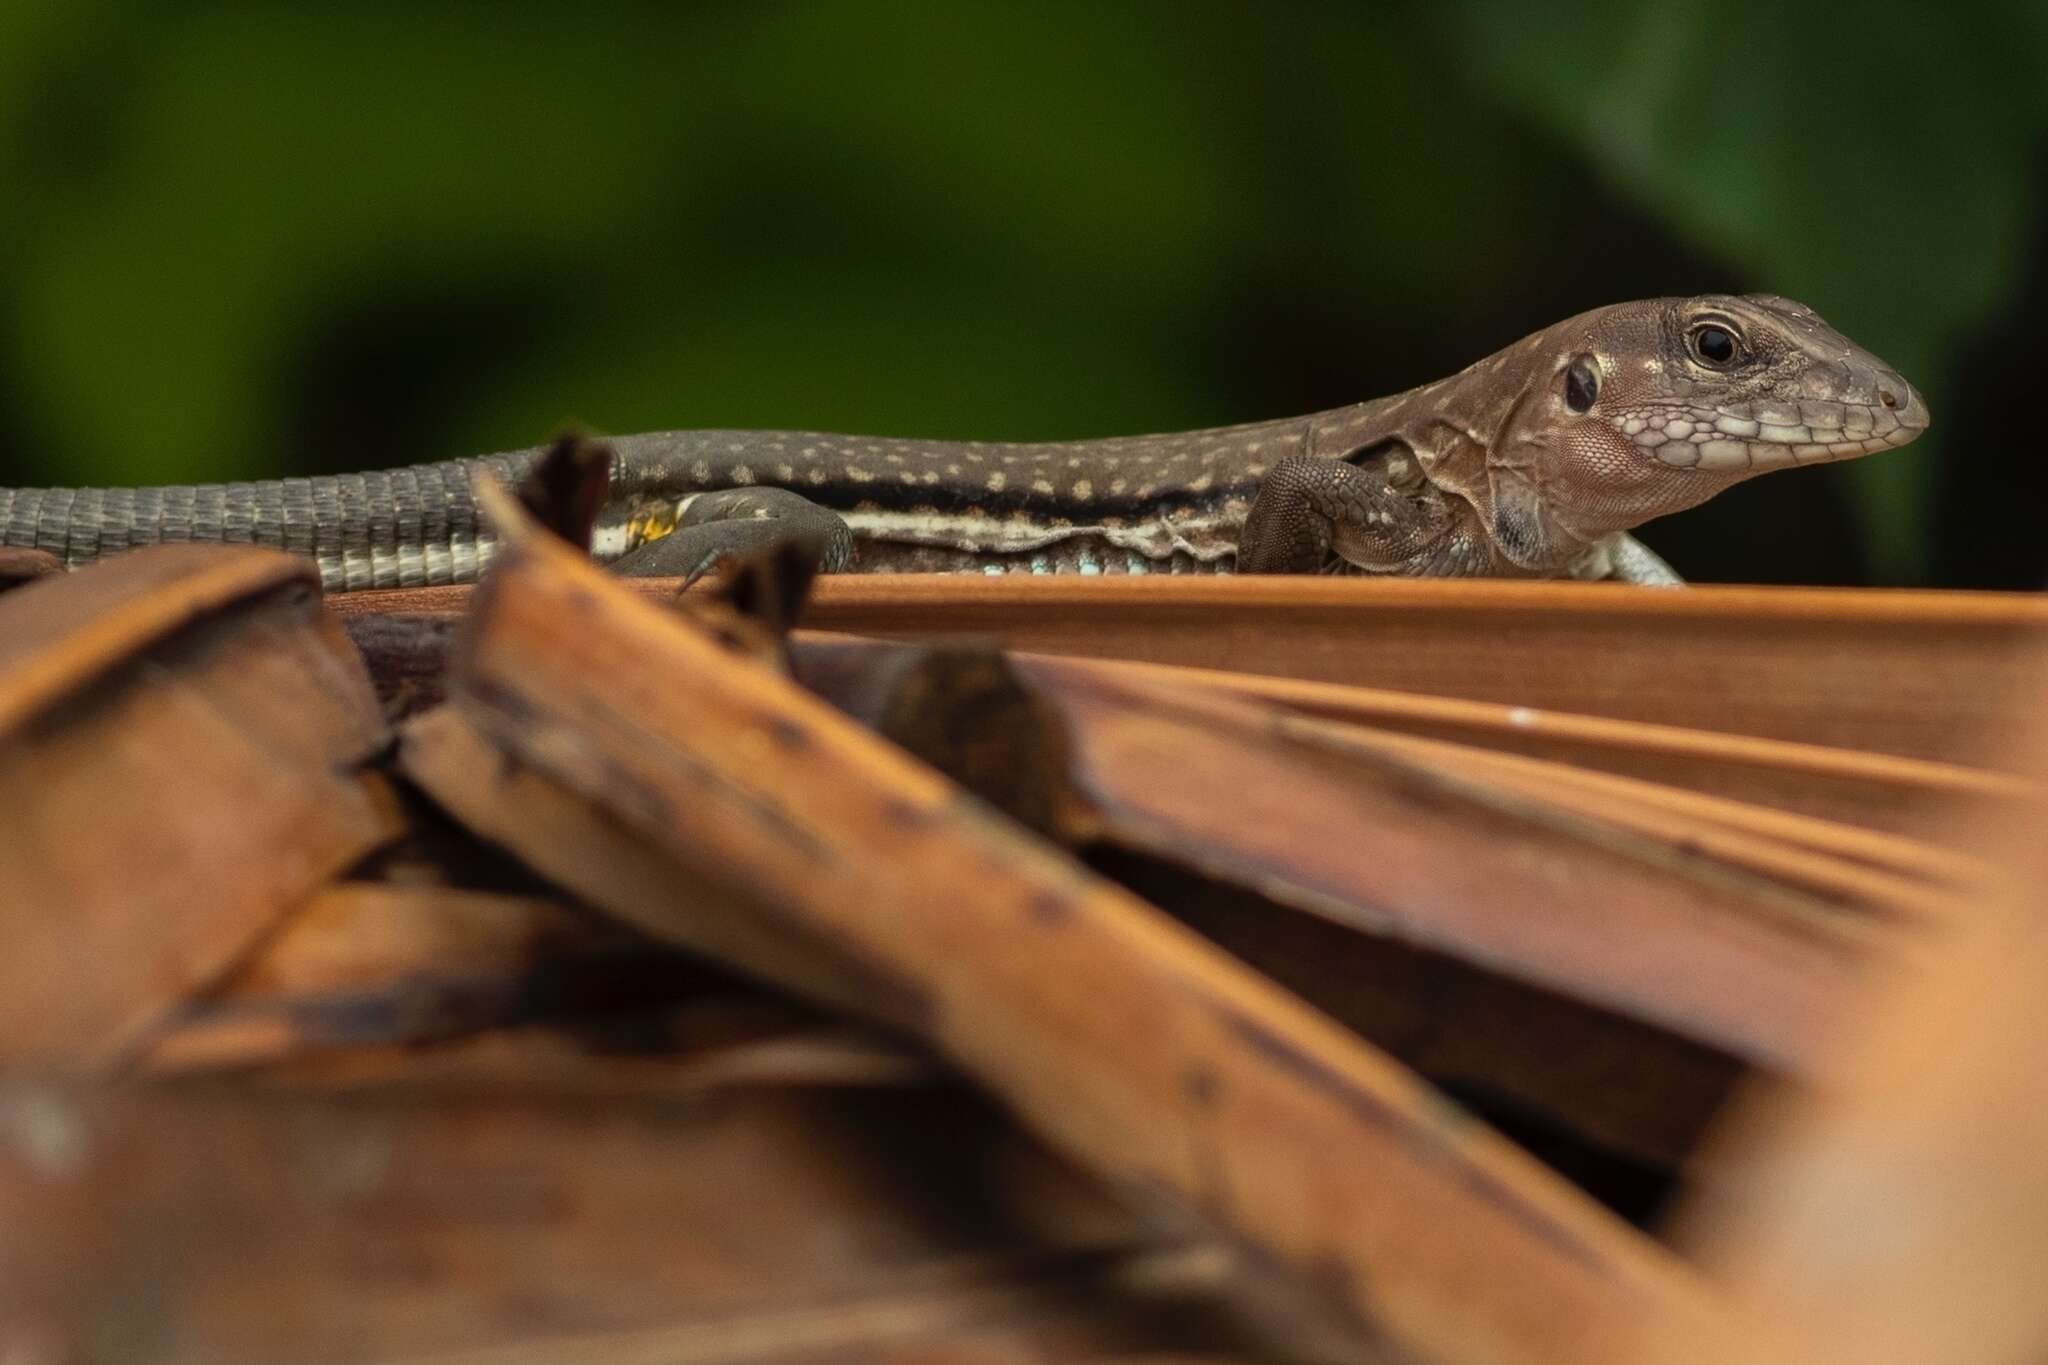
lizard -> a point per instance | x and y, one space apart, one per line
1536 461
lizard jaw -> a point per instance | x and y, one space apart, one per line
1753 437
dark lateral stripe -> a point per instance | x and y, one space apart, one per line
842 494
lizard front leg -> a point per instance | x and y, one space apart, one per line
1634 562
735 522
1307 507
1621 558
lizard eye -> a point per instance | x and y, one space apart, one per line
1581 383
1714 345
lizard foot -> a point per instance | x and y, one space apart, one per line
718 527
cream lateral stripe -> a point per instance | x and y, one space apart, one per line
1196 535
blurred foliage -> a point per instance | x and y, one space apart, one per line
267 237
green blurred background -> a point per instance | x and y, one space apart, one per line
272 237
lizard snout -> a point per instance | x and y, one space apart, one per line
1903 401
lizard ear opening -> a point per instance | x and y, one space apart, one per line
1581 383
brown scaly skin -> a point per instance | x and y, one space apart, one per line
1534 462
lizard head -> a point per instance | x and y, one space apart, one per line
1649 408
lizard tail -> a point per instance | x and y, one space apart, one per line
411 527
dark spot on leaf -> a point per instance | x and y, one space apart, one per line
1050 907
906 815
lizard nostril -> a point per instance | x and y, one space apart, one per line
1888 398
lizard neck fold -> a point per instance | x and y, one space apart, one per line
1448 438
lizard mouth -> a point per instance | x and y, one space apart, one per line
1768 435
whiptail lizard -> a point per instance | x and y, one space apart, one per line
1534 462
